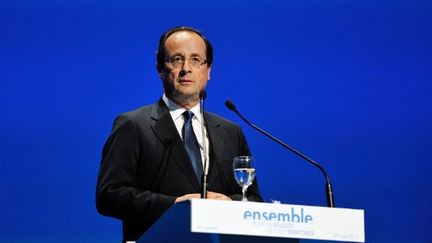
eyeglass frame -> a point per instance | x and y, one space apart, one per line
182 60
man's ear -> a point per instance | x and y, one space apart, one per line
208 73
158 68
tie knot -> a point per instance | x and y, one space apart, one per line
187 115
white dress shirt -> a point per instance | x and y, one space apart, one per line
176 113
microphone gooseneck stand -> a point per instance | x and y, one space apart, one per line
328 186
202 97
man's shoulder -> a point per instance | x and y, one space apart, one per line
141 113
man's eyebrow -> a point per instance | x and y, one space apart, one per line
177 54
182 55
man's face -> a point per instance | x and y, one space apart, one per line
182 83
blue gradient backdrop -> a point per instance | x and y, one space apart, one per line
346 82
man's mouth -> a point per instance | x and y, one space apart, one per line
185 81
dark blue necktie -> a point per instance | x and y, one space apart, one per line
191 144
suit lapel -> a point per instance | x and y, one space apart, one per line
216 137
165 129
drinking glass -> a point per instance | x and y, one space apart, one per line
244 172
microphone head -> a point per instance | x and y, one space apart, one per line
230 105
203 94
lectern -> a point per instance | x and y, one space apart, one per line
204 220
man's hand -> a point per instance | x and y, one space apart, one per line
210 195
217 196
187 197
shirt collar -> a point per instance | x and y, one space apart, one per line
176 110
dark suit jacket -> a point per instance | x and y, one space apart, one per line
145 166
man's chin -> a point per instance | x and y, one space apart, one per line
185 98
187 94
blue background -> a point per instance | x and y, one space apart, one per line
346 82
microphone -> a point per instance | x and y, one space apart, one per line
329 190
202 96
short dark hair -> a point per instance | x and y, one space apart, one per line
160 54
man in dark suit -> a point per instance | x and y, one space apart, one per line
146 165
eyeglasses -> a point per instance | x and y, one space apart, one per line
179 61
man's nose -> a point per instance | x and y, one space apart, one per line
186 68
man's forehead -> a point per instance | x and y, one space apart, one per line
185 40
